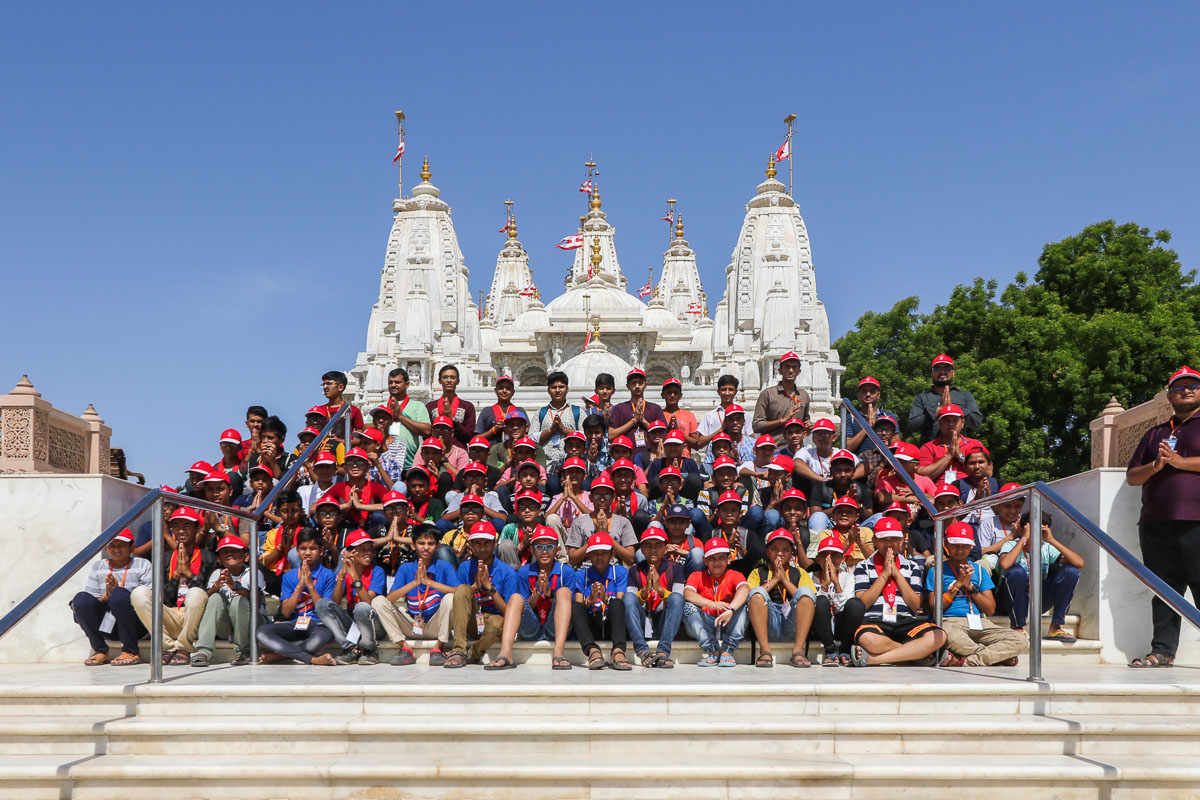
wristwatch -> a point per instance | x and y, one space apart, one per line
358 584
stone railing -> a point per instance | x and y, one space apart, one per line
37 437
1116 433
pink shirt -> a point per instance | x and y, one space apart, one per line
457 458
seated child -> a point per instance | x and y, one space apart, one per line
421 602
355 626
545 585
227 612
598 609
782 601
486 601
714 609
300 635
839 612
654 601
104 605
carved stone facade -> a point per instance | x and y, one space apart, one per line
37 437
1116 432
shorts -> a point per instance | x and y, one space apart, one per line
901 632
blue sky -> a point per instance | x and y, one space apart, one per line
195 199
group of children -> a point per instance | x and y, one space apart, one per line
631 523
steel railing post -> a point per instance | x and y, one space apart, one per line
156 592
1034 627
843 429
939 538
254 592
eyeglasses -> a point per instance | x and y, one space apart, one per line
541 548
1185 388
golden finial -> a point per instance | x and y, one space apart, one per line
771 166
596 257
679 226
537 293
511 224
595 203
425 173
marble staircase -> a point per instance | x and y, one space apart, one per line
386 732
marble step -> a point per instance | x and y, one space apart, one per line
299 776
708 736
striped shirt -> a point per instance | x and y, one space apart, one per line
139 572
866 573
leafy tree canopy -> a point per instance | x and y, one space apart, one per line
1109 311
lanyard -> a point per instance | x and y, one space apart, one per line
124 574
891 587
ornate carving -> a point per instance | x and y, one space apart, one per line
1127 440
67 450
16 433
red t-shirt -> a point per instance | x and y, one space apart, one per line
889 481
371 494
935 449
356 417
721 592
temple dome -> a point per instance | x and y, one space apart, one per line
605 300
596 358
656 317
534 318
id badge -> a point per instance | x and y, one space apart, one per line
1171 441
479 621
787 610
353 635
417 629
302 623
950 477
889 614
639 437
974 621
181 595
108 623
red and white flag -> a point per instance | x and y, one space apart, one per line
399 152
695 308
669 218
586 186
528 291
646 290
572 242
784 151
504 229
587 339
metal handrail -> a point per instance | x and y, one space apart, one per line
155 499
889 456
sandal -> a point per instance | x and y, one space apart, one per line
167 656
239 661
1060 636
96 660
1152 660
437 658
859 656
664 661
650 660
799 660
619 662
503 662
180 659
596 660
949 659
707 660
558 662
456 660
726 660
766 661
127 660
844 660
199 660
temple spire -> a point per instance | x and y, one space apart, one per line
425 173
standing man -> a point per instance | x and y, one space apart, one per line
857 441
784 401
1166 464
710 424
452 406
633 417
411 420
923 416
678 419
551 424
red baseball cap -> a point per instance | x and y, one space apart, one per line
473 499
781 533
868 381
234 542
842 455
721 437
475 466
574 462
951 410
231 435
896 505
782 463
668 472
723 461
187 515
529 462
889 528
526 441
542 532
482 530
734 408
671 382
977 447
358 452
356 537
656 425
479 441
504 378
621 441
1183 372
845 500
623 463
393 498
325 457
636 371
675 436
262 468
320 410
960 533
654 533
374 434
599 541
217 476
906 451
126 535
309 431
528 494
418 470
766 440
824 424
789 356
327 499
593 399
432 442
200 468
729 497
943 359
602 481
945 490
793 494
1008 486
444 421
794 421
382 409
576 435
831 544
715 546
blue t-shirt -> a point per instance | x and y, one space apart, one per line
560 575
324 580
615 580
423 601
958 607
504 578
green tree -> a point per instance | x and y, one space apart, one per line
1109 312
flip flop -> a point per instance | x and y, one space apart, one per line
127 660
859 656
799 660
96 660
1060 636
560 663
727 660
503 662
766 661
664 662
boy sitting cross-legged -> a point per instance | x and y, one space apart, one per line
421 602
228 609
355 626
714 609
301 635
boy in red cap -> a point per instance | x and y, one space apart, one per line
300 634
711 423
545 584
355 627
489 422
633 417
183 596
942 457
675 455
573 502
230 461
358 496
324 472
227 612
857 441
455 546
599 608
474 482
422 504
889 586
842 466
678 419
971 638
630 504
279 543
858 539
512 545
838 612
714 608
421 602
104 606
782 601
891 488
998 529
654 600
487 603
393 540
621 449
923 416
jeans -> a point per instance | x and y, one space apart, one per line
446 553
339 620
532 630
780 628
89 613
1057 589
761 520
1171 550
819 521
282 638
701 527
664 622
589 627
702 626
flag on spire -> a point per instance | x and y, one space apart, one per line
586 186
784 151
587 339
528 291
505 228
399 152
669 218
646 290
572 242
695 308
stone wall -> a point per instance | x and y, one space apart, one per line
1117 431
37 437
